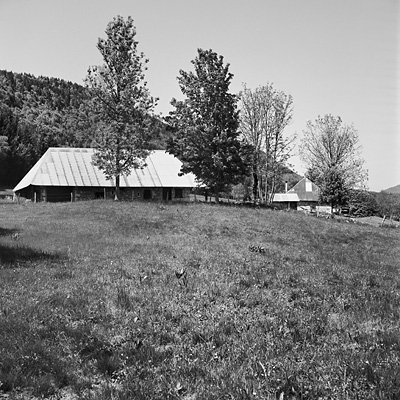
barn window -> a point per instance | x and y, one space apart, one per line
178 193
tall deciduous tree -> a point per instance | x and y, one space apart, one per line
206 124
121 101
332 155
264 114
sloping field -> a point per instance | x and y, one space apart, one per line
378 222
104 300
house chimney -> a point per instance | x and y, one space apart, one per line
285 186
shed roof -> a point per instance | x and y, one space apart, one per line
73 167
285 197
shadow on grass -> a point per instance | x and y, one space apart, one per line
24 256
18 255
7 232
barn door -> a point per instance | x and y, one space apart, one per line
167 194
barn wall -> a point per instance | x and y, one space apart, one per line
61 193
28 193
185 194
285 205
309 203
130 194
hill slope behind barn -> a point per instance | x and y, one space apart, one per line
394 189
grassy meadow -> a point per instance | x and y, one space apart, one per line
107 300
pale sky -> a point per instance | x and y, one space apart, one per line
339 57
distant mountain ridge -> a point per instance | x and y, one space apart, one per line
394 189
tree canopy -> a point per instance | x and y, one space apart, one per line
206 124
332 155
264 114
121 101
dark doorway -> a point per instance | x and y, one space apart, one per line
167 194
147 194
59 193
179 193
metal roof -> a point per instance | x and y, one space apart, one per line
73 167
285 197
302 188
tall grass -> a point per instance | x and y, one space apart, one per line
104 300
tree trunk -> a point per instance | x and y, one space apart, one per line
271 195
116 198
260 187
217 195
255 186
266 188
267 154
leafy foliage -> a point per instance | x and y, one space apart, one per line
362 203
206 124
121 101
264 114
330 151
332 187
3 145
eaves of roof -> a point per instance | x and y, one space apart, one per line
285 197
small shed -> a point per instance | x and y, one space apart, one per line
304 196
67 174
287 201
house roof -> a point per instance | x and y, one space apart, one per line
73 167
306 190
285 197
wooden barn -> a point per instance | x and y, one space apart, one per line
307 192
304 195
67 174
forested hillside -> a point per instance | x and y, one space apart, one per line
41 112
394 189
36 113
